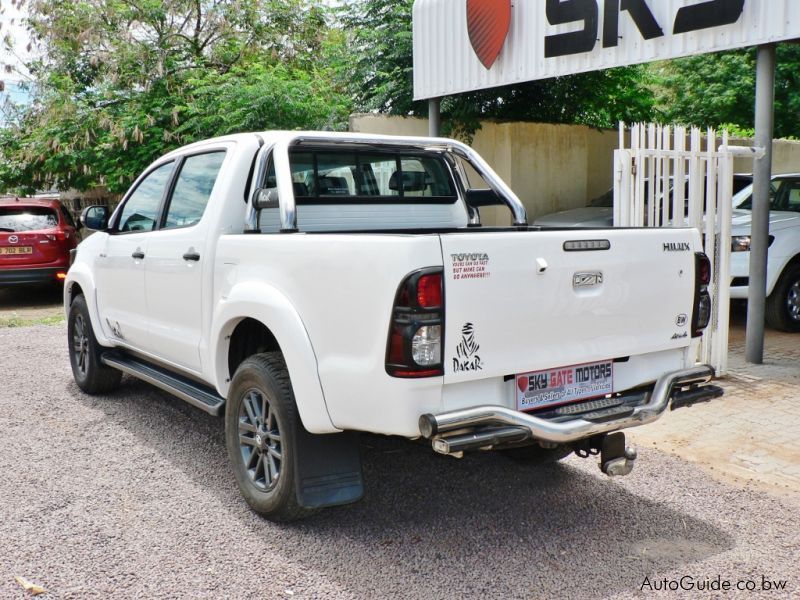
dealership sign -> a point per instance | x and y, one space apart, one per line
463 45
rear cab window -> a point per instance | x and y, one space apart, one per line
328 177
27 218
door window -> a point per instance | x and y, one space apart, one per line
141 209
789 196
193 189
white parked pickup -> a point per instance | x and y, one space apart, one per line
310 286
783 263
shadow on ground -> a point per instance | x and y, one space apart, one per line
481 525
31 298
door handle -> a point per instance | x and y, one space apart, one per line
139 255
191 256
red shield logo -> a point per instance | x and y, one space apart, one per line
488 22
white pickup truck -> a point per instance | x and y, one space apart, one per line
315 285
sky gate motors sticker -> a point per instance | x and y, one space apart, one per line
564 384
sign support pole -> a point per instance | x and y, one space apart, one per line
434 117
762 174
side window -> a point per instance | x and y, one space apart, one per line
141 209
67 217
793 196
193 189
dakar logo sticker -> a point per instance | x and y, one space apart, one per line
487 23
467 358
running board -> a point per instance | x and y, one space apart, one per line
196 394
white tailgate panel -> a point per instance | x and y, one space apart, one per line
504 317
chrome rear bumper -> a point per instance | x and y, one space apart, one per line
494 425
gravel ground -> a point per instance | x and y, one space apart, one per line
130 495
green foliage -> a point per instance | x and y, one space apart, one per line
719 89
378 73
120 82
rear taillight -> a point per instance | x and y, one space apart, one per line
414 348
702 300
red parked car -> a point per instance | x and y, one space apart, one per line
36 236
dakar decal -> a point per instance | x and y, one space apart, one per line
467 358
487 24
470 265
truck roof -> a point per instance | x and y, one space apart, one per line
272 137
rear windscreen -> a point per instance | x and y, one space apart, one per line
27 218
325 176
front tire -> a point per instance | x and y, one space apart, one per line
261 434
783 305
91 375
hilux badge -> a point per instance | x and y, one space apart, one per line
587 279
676 247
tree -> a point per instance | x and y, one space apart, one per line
719 89
120 82
379 76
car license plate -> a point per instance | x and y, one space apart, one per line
16 250
563 385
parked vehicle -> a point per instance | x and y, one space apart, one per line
36 236
783 263
600 211
314 285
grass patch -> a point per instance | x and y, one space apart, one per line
15 321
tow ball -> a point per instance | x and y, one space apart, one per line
616 459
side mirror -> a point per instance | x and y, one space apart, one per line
266 198
95 218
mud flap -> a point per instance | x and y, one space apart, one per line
328 469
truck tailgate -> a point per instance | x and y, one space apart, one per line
521 301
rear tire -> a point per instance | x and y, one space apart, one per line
536 455
783 304
91 375
261 433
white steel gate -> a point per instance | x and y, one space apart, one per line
660 182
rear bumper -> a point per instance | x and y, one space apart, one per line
484 426
30 276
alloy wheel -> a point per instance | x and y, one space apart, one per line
80 344
260 440
793 301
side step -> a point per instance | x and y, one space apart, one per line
196 394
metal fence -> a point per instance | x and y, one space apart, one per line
672 177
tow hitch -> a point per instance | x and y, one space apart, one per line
616 459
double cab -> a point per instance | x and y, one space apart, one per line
308 286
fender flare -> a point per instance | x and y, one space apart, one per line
273 309
81 274
774 277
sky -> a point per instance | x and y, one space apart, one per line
12 25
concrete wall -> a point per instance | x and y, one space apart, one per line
551 167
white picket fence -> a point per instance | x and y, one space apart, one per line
663 181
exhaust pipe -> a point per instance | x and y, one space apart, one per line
481 439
